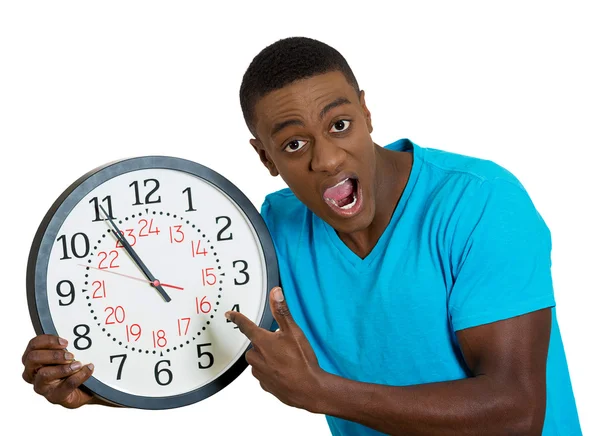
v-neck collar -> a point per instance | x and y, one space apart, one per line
347 253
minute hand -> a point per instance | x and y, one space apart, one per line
154 282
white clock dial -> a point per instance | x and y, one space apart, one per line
154 331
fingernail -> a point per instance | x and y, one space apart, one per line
90 366
227 315
69 356
278 295
62 341
75 366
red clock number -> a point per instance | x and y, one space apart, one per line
148 225
196 249
183 322
116 315
176 236
208 278
133 330
100 291
129 234
113 253
159 339
202 306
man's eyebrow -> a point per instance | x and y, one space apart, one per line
335 103
280 126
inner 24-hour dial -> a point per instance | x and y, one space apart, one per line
107 276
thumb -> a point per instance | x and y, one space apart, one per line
280 309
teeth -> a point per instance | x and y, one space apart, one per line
348 206
341 183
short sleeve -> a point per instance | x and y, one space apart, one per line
265 213
502 249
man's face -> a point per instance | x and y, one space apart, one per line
315 133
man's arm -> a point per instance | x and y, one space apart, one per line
505 395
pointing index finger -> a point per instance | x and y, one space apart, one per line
247 327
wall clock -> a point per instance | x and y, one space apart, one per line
135 265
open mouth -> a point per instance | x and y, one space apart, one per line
345 197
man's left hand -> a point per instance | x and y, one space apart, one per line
283 361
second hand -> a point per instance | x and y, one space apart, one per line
155 283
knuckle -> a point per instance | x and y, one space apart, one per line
40 388
283 310
58 355
27 377
39 341
36 389
65 370
32 342
32 357
42 375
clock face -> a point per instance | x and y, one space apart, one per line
148 311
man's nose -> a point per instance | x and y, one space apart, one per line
327 156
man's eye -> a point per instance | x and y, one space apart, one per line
294 145
340 126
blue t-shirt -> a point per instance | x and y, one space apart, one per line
465 246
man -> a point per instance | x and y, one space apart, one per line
417 287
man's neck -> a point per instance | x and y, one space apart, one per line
392 172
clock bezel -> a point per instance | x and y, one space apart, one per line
45 236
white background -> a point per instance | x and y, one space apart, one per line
83 83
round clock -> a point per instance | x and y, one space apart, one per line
135 265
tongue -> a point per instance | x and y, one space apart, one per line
340 192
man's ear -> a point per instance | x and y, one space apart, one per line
366 111
264 157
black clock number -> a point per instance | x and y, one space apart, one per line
75 247
108 202
242 271
123 358
70 294
236 307
158 372
220 234
190 208
147 199
82 337
211 358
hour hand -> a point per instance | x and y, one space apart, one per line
153 281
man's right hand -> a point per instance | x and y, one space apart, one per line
54 373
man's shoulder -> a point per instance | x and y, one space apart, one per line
283 200
448 164
468 167
282 211
459 188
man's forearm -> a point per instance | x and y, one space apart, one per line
473 406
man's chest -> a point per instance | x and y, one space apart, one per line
385 321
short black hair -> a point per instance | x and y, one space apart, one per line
284 62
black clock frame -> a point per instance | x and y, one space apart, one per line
45 236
